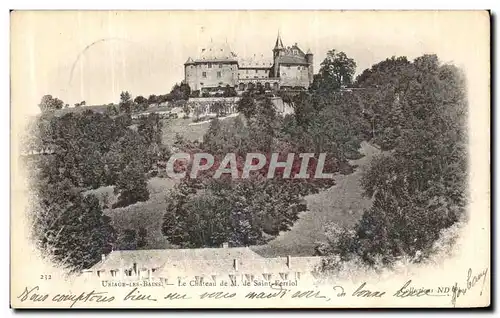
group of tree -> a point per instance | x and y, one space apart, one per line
82 103
49 103
417 112
93 150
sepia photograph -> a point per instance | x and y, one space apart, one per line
250 159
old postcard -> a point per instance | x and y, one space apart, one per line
250 159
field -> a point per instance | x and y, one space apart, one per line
342 203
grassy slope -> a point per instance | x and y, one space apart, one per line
181 126
147 214
342 203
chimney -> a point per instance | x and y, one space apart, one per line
235 264
103 257
225 245
289 261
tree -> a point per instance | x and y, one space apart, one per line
336 70
246 105
180 92
141 102
217 108
142 239
69 227
49 103
125 105
129 240
152 99
419 187
111 110
150 128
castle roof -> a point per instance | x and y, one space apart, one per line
216 52
189 61
157 258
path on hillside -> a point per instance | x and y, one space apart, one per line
342 203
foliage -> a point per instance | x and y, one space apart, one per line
180 92
207 212
82 103
229 91
93 149
131 185
140 103
70 227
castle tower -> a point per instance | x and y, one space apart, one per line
310 63
278 50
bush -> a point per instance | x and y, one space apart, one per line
131 186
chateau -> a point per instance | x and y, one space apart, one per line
218 66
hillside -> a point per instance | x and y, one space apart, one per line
342 203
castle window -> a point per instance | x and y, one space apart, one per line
256 71
219 75
209 65
204 74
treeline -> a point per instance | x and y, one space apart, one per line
127 104
92 150
417 112
206 212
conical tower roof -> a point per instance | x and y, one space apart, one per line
279 43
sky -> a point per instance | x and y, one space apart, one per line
94 55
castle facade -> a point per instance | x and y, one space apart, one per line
218 66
